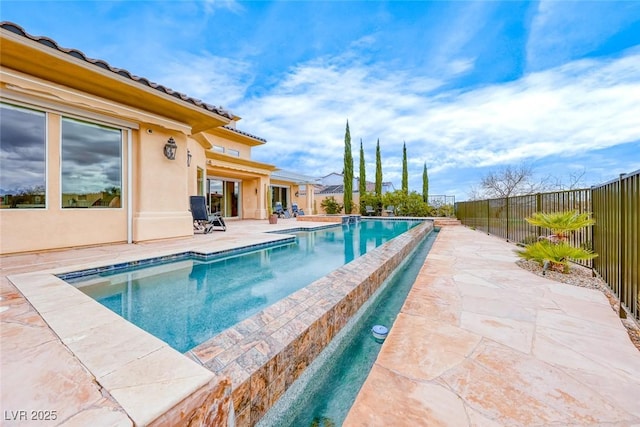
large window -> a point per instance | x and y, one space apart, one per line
91 165
23 154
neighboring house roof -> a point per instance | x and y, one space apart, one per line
332 174
332 189
16 29
285 175
339 189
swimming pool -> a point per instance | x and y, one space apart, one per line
190 300
324 395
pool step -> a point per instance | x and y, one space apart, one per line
445 222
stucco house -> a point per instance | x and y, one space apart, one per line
92 154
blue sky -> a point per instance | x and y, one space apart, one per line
470 87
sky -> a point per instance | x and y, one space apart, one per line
469 87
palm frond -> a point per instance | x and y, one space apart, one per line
561 223
555 253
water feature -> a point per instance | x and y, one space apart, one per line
325 393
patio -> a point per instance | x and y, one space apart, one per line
478 342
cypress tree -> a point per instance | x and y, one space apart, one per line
362 185
425 184
378 171
348 172
405 173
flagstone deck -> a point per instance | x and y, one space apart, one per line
481 342
478 342
60 376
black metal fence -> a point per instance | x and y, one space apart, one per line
615 237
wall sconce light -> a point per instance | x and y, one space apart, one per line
189 158
297 194
256 191
170 149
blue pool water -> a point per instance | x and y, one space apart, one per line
186 302
325 397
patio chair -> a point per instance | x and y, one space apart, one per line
369 210
198 207
216 220
294 209
390 210
279 210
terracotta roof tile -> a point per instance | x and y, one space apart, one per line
16 29
244 133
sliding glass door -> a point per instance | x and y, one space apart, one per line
224 197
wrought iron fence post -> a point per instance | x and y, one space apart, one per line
507 209
621 249
538 209
488 217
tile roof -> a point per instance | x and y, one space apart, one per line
16 29
332 189
244 133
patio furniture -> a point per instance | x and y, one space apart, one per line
198 207
216 220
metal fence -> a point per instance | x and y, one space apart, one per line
615 237
616 209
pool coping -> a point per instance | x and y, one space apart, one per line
135 363
265 353
135 368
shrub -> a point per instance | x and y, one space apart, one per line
554 248
370 199
331 206
558 254
406 204
561 223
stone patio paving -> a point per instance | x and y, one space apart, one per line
481 342
42 375
478 342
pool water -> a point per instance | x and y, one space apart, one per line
186 302
326 395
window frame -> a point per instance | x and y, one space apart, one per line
123 141
27 106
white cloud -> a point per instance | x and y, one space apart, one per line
215 80
581 106
565 30
210 6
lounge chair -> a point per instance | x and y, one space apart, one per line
278 210
369 210
294 209
201 223
216 220
390 210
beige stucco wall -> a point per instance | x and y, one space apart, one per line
160 187
244 150
53 227
340 199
